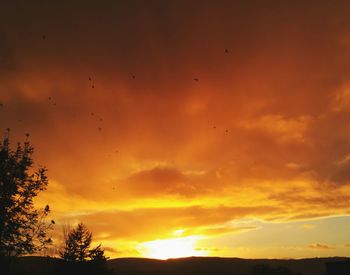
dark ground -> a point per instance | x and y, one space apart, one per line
185 266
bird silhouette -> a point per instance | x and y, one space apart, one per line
93 86
89 78
52 101
227 51
196 79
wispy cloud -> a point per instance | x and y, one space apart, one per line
320 246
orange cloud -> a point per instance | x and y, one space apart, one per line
144 224
280 128
320 246
341 101
142 149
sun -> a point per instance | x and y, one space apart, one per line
172 248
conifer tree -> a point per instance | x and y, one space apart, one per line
77 246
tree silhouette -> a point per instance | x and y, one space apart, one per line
23 229
77 246
97 254
79 258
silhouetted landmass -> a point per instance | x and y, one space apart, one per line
338 268
211 266
201 265
33 265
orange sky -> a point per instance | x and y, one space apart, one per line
257 148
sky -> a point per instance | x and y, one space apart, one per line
181 128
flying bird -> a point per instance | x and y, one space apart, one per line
227 51
196 79
89 78
51 100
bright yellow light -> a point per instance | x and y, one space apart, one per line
172 248
178 232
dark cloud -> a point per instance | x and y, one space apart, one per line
280 71
269 115
7 56
168 181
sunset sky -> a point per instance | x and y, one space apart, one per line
184 127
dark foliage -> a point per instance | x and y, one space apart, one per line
77 255
77 246
23 229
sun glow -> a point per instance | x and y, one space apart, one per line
172 248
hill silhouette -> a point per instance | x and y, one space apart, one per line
183 266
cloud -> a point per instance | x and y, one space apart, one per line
7 56
264 132
313 200
308 226
280 128
152 223
341 101
344 160
293 165
159 180
166 180
225 230
340 174
320 246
